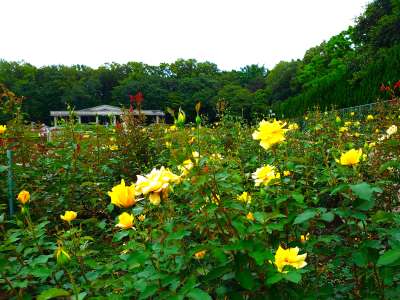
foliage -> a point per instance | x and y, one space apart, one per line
335 224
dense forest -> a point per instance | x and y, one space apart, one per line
346 70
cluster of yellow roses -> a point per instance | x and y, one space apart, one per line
155 185
269 134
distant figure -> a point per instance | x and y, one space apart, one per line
43 131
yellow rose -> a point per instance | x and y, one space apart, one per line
69 216
113 147
200 254
270 133
264 175
293 126
289 257
351 157
3 128
123 196
244 197
286 173
125 221
156 182
391 130
370 117
24 196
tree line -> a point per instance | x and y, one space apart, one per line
344 71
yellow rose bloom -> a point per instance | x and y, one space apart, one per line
264 175
343 129
3 128
156 182
270 133
289 257
347 123
69 216
244 197
123 196
113 147
351 157
352 113
23 196
391 130
168 144
250 216
200 254
370 117
125 221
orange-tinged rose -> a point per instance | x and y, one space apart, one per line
23 196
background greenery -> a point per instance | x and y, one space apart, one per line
344 71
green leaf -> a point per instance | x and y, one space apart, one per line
389 257
120 235
52 293
274 279
41 272
149 291
261 256
198 294
305 216
298 197
245 279
3 168
293 277
364 191
327 217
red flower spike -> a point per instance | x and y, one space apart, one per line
139 98
397 85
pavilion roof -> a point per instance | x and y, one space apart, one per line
104 110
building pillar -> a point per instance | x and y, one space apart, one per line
97 119
157 119
114 120
55 121
79 120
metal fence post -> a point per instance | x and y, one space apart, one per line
10 183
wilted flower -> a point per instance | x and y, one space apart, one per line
304 238
200 254
244 197
186 166
270 133
62 256
351 157
3 128
23 196
122 195
155 182
69 216
289 257
265 174
286 173
250 216
191 141
391 130
125 220
181 118
142 218
370 117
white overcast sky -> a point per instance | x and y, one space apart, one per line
230 33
